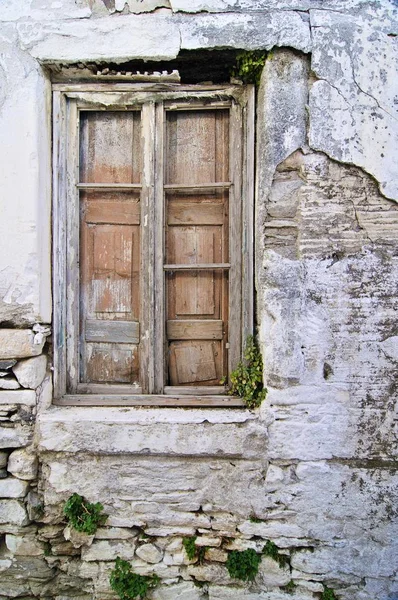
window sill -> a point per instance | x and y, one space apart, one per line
167 401
143 431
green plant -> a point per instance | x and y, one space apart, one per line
247 379
328 594
270 549
129 585
189 546
249 66
254 519
290 587
82 515
243 565
194 551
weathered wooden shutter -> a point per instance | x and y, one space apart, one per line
197 245
110 172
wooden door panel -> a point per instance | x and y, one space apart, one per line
193 362
111 363
110 147
110 300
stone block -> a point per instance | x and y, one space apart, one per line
27 397
3 459
118 431
150 553
78 538
271 575
11 487
24 545
18 343
212 573
31 372
13 512
23 464
216 554
108 550
181 591
16 436
9 383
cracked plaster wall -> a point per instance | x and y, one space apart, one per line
317 464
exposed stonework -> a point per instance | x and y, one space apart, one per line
315 469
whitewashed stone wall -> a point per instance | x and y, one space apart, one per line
315 469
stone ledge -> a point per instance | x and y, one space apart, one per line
177 432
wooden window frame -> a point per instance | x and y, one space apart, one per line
153 101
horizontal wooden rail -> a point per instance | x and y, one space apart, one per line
197 267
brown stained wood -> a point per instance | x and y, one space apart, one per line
121 213
114 389
194 390
109 363
203 156
152 400
110 147
195 213
194 294
198 267
118 332
192 362
194 330
191 147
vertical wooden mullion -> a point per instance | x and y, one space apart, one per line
147 311
59 242
159 233
72 273
248 214
235 240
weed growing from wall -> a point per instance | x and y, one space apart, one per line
247 379
193 551
270 549
243 565
328 594
249 66
82 515
129 585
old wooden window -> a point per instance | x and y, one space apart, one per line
152 241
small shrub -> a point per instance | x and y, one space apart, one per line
243 565
249 66
270 549
328 594
129 585
247 379
189 546
82 515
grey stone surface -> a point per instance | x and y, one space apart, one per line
18 343
13 512
112 431
150 553
353 113
27 397
31 372
17 436
13 488
9 383
23 464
